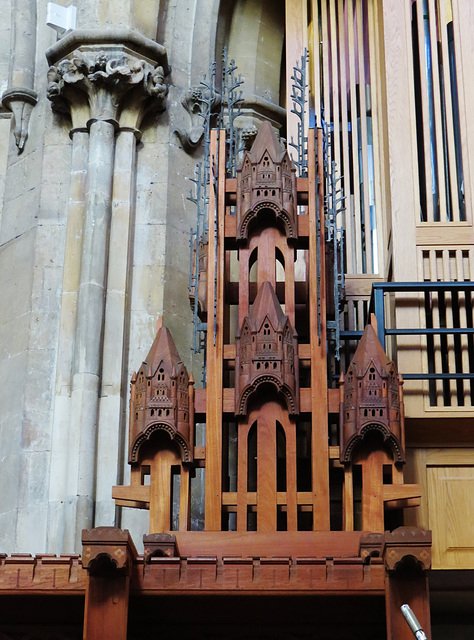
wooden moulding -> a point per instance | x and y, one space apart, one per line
226 562
43 573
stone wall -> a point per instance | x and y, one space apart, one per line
76 321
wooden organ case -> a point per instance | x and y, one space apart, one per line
276 522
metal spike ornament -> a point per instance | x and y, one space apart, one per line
298 98
200 198
334 223
230 111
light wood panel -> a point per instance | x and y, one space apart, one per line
446 477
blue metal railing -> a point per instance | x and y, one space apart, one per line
377 307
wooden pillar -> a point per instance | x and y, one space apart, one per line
407 560
215 335
108 556
319 408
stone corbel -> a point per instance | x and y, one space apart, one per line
20 101
197 102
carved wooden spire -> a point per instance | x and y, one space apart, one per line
267 184
266 352
372 398
159 397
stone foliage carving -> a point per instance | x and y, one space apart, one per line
105 77
197 101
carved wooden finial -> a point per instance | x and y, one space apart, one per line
161 400
267 184
266 352
372 400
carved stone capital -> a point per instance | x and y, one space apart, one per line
107 549
407 546
198 102
110 80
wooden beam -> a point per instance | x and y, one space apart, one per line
215 335
319 392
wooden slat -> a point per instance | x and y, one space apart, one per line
303 544
230 498
315 62
215 348
463 25
326 70
184 501
335 85
289 257
437 110
348 501
372 491
291 500
377 149
345 166
139 493
242 471
160 490
444 234
425 115
451 150
382 199
401 491
319 431
354 201
364 138
228 400
266 466
244 300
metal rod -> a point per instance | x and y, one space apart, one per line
413 623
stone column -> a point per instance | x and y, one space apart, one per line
60 507
110 75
